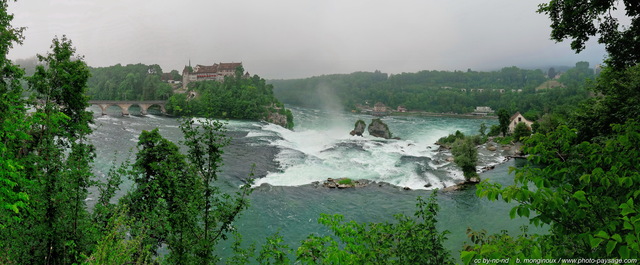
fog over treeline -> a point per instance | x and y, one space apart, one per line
305 38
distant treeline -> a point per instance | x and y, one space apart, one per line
130 82
440 91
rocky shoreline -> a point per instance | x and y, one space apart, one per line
508 151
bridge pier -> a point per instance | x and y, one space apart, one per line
103 108
125 108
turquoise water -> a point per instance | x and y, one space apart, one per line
287 162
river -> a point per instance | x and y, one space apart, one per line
287 162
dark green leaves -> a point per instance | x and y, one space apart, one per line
579 20
407 241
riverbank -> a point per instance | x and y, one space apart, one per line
490 149
436 114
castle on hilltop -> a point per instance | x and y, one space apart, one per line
215 72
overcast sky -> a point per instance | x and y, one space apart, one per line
300 38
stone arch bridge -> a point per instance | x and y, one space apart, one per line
125 104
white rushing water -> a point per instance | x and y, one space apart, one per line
320 147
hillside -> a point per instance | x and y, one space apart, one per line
437 91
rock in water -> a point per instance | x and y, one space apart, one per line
378 128
277 118
359 128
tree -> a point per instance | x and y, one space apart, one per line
503 117
55 159
521 130
131 82
582 183
551 73
585 193
116 247
483 129
163 198
13 198
494 130
618 100
176 75
465 155
64 83
216 210
579 20
409 241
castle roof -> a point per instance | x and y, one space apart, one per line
228 66
206 68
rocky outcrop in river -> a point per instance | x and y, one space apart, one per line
343 183
378 128
359 128
277 118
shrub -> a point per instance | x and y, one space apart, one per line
521 130
448 140
494 131
465 155
345 181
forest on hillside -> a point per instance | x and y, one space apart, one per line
441 91
237 97
129 82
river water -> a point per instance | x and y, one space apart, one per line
288 162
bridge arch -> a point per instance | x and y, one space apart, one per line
124 105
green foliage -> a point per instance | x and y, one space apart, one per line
115 247
104 209
241 255
376 122
408 241
577 76
51 164
290 123
161 198
521 130
503 247
235 98
274 251
130 82
450 139
494 130
345 181
547 123
175 200
465 155
431 91
585 192
216 210
579 20
13 197
64 82
503 117
505 140
551 73
483 129
618 100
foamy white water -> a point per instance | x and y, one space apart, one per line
320 147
